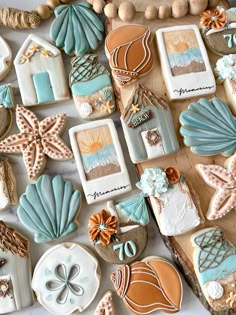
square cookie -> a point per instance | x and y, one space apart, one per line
185 65
99 160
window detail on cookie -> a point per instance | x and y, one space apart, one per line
175 204
91 84
148 126
119 233
214 261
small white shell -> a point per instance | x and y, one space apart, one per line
85 109
214 290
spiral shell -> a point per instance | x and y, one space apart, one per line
149 285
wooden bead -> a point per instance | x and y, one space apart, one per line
150 12
53 3
196 7
98 6
213 3
111 11
65 1
44 11
179 8
90 1
164 12
126 11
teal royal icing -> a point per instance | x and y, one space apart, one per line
76 28
6 98
135 209
49 208
43 87
209 128
91 86
128 249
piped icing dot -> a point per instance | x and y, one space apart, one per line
214 289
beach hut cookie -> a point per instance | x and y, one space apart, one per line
15 271
82 32
129 53
184 61
5 58
222 179
148 126
40 72
6 109
49 208
175 204
120 238
218 29
225 71
214 260
99 159
149 285
36 140
66 279
209 128
8 193
91 87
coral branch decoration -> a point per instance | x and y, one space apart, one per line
36 140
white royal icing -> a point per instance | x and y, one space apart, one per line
77 272
214 290
5 58
85 110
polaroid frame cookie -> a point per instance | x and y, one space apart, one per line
180 84
109 178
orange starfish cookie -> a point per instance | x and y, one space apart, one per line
36 140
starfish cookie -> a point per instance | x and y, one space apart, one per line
36 140
224 181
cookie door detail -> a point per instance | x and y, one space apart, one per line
43 87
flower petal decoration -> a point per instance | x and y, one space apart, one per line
214 20
76 28
209 127
37 139
49 208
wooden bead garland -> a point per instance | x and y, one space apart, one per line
179 9
19 19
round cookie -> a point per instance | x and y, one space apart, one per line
6 112
149 285
119 233
66 279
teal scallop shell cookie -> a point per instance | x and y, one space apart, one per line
49 208
209 128
76 28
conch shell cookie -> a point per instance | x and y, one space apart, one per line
149 285
36 140
129 53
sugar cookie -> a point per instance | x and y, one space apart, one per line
66 278
6 106
214 260
49 208
36 140
149 285
40 72
15 271
5 59
184 62
148 126
129 53
105 305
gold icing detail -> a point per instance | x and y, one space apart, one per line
231 299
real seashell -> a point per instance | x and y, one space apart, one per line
49 208
85 109
76 28
149 285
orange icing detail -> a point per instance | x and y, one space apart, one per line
172 174
150 285
130 56
102 227
215 20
